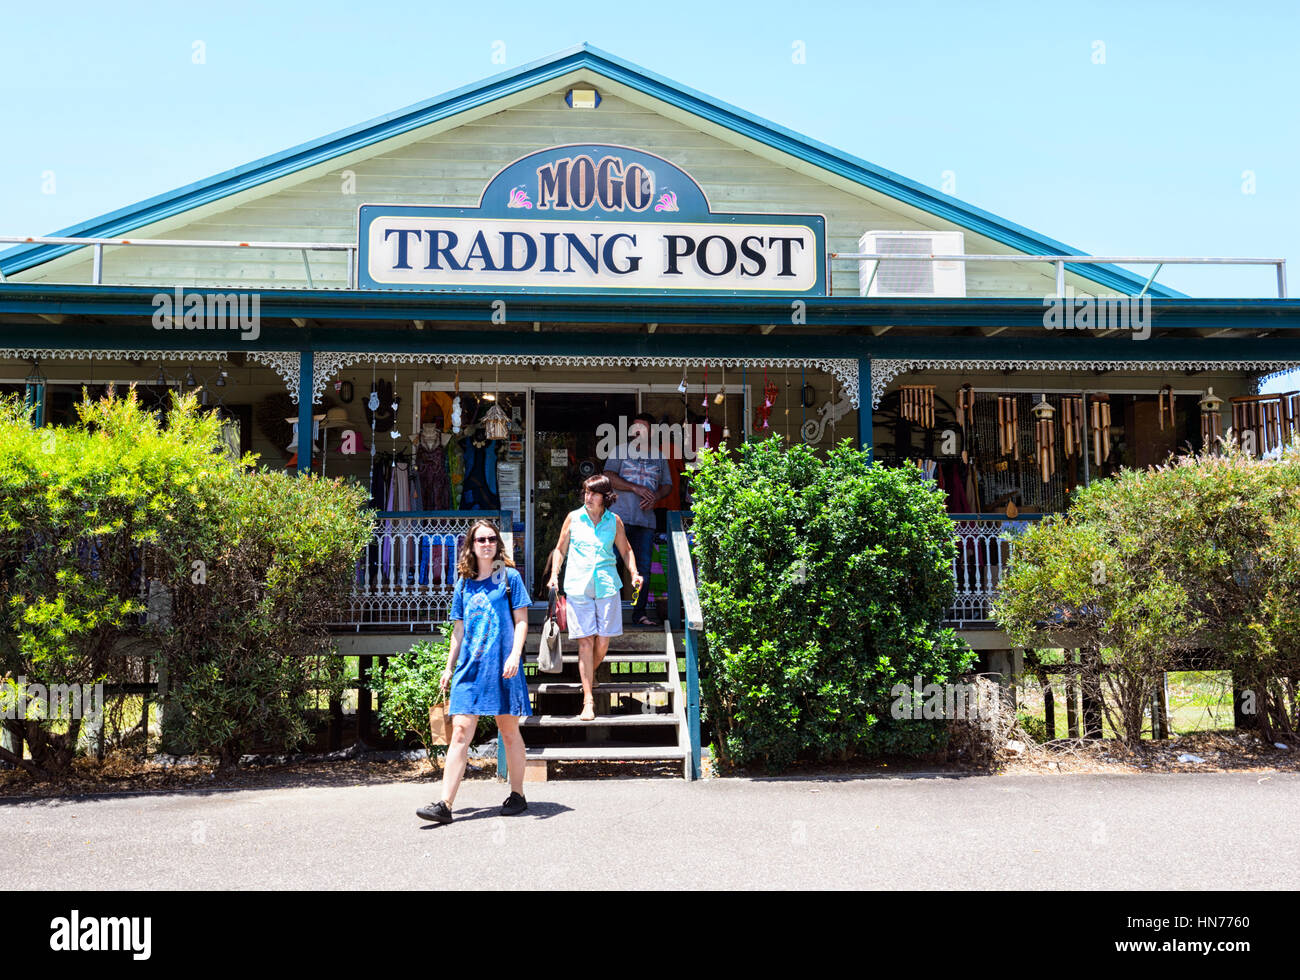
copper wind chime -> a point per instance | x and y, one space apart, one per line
1008 426
918 404
1099 428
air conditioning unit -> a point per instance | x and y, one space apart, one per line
916 277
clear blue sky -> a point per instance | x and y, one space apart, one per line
1141 153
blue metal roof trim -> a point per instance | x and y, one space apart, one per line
118 223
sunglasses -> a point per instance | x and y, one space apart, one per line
484 540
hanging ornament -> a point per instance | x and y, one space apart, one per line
918 404
496 421
1210 404
455 406
769 399
1045 441
965 417
1008 426
1072 441
787 404
726 432
1165 406
1099 428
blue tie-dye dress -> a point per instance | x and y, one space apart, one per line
486 607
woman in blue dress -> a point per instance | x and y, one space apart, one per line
490 612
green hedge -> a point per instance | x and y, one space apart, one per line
823 584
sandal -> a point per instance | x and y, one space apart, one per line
646 621
588 710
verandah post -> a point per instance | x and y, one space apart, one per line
306 384
864 405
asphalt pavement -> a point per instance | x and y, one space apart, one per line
1193 831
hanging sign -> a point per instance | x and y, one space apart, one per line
591 217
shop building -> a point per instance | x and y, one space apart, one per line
579 240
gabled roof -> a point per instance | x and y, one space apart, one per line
124 220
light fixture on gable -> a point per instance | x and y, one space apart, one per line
582 98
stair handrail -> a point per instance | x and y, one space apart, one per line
684 602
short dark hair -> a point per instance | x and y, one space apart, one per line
600 484
645 417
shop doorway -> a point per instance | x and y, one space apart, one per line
565 439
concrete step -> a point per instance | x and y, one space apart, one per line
623 658
612 687
601 721
581 753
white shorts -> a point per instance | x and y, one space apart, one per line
595 617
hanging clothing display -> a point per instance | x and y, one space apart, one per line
399 499
455 471
434 482
479 491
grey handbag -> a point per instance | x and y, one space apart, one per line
549 649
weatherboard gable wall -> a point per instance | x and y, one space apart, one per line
449 164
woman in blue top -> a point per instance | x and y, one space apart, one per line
591 583
490 610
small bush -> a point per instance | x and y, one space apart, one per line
253 594
823 584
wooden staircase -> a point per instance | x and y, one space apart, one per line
640 706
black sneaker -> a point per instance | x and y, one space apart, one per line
435 812
515 803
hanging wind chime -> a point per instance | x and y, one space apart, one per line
704 403
769 399
1165 406
918 404
1211 426
1008 426
787 404
1099 429
1071 426
455 406
1045 442
965 417
496 422
721 399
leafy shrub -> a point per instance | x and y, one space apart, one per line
410 683
253 595
823 584
1200 554
78 508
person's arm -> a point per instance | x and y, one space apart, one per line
665 482
516 654
559 554
625 549
521 630
457 636
618 483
